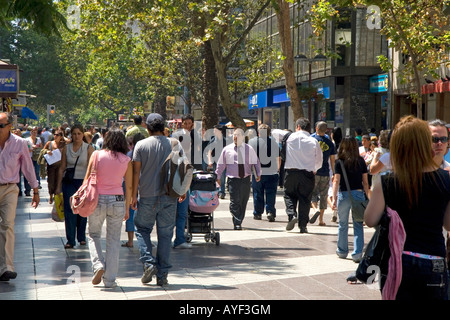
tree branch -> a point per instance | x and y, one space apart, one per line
233 49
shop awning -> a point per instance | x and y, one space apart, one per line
436 87
28 113
248 123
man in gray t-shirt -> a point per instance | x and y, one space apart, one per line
154 205
151 153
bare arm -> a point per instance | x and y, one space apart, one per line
128 189
135 184
376 206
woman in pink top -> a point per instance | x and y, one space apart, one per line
112 166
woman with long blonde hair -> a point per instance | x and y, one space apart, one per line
419 191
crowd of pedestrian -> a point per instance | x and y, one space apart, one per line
317 168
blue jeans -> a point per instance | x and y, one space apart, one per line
343 214
264 194
111 209
182 213
422 279
38 177
161 210
75 224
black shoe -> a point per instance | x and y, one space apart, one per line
291 224
8 275
270 217
162 281
314 217
351 279
303 230
237 227
149 272
257 216
222 196
27 194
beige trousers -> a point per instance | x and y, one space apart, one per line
8 204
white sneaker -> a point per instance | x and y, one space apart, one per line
183 245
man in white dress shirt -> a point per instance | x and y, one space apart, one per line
303 159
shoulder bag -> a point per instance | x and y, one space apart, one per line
358 206
376 257
69 173
85 200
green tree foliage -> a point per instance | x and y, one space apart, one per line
42 74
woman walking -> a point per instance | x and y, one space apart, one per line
74 161
53 169
113 165
419 191
356 170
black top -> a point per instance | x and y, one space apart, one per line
354 175
423 222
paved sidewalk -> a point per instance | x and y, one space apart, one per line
261 262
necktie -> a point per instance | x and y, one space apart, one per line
241 169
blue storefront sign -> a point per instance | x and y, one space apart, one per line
280 96
9 81
378 83
259 100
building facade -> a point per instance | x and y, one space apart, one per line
353 90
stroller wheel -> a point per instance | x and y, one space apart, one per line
217 238
207 237
188 237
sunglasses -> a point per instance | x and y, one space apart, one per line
441 139
2 125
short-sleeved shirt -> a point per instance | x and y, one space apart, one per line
268 152
135 130
328 149
354 175
423 222
111 168
151 153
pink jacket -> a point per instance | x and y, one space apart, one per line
397 236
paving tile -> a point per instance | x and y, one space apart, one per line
261 262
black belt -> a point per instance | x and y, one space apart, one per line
5 184
298 170
239 178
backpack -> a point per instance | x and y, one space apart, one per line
180 173
283 158
269 151
283 148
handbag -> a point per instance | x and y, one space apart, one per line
358 206
85 200
376 258
69 173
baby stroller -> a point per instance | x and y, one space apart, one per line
203 200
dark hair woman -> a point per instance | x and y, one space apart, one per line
356 170
74 161
113 166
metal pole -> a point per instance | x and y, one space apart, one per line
310 85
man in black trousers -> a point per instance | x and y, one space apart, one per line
303 159
240 161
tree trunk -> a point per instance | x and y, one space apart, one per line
160 104
224 92
284 29
210 112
